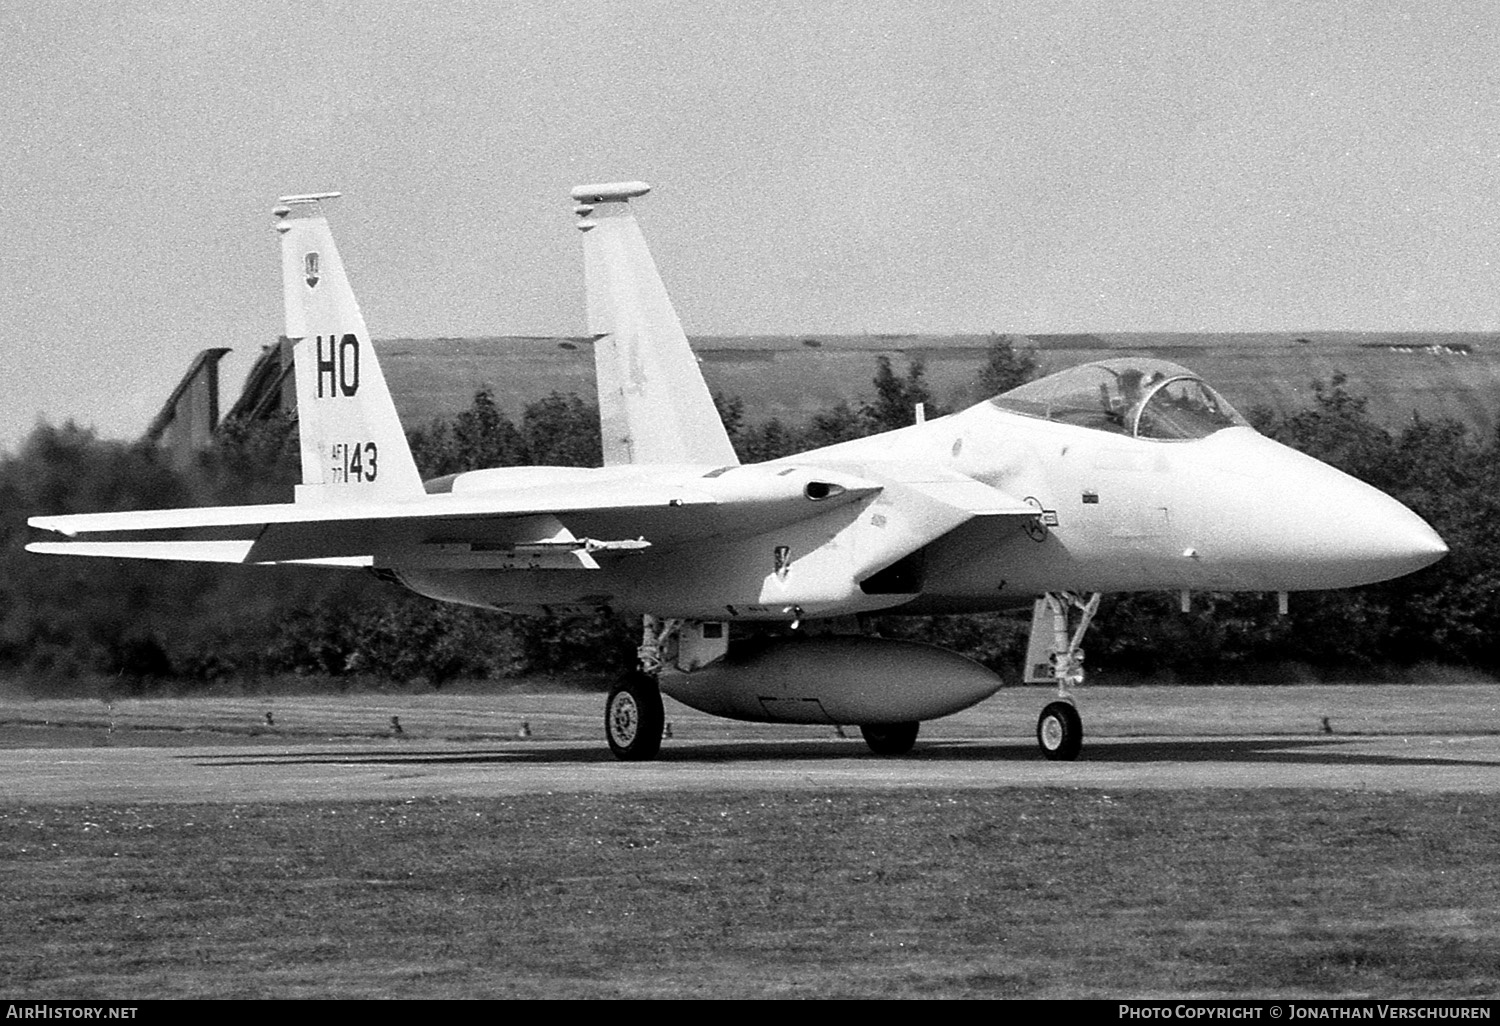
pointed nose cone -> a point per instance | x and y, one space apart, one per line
1371 536
1292 523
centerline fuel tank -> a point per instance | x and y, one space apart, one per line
833 679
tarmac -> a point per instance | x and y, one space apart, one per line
65 762
1383 738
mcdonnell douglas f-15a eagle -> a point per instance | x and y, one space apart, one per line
1127 474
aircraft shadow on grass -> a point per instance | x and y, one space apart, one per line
1257 751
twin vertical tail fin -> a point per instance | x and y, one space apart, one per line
654 406
353 448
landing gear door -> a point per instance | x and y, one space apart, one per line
1052 652
1049 635
700 642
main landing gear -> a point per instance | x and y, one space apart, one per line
1055 654
633 717
633 714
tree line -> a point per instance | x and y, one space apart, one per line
135 624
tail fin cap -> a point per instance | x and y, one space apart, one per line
607 192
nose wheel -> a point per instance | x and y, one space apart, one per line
1059 731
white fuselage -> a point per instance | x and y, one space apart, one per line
1234 511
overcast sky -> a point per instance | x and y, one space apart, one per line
829 167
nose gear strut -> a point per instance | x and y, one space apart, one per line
1053 653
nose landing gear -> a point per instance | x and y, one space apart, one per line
1056 655
1060 731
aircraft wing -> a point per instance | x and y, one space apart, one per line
538 526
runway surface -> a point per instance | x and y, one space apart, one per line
235 774
1397 739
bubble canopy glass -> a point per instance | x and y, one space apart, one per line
1135 396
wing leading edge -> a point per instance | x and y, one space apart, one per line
467 529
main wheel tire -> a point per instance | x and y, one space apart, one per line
633 718
890 738
1059 731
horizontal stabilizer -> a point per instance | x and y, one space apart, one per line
182 551
227 551
559 500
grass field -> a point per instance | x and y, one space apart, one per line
1013 893
1019 892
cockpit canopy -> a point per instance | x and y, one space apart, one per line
1134 396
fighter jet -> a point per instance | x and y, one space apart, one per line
750 581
